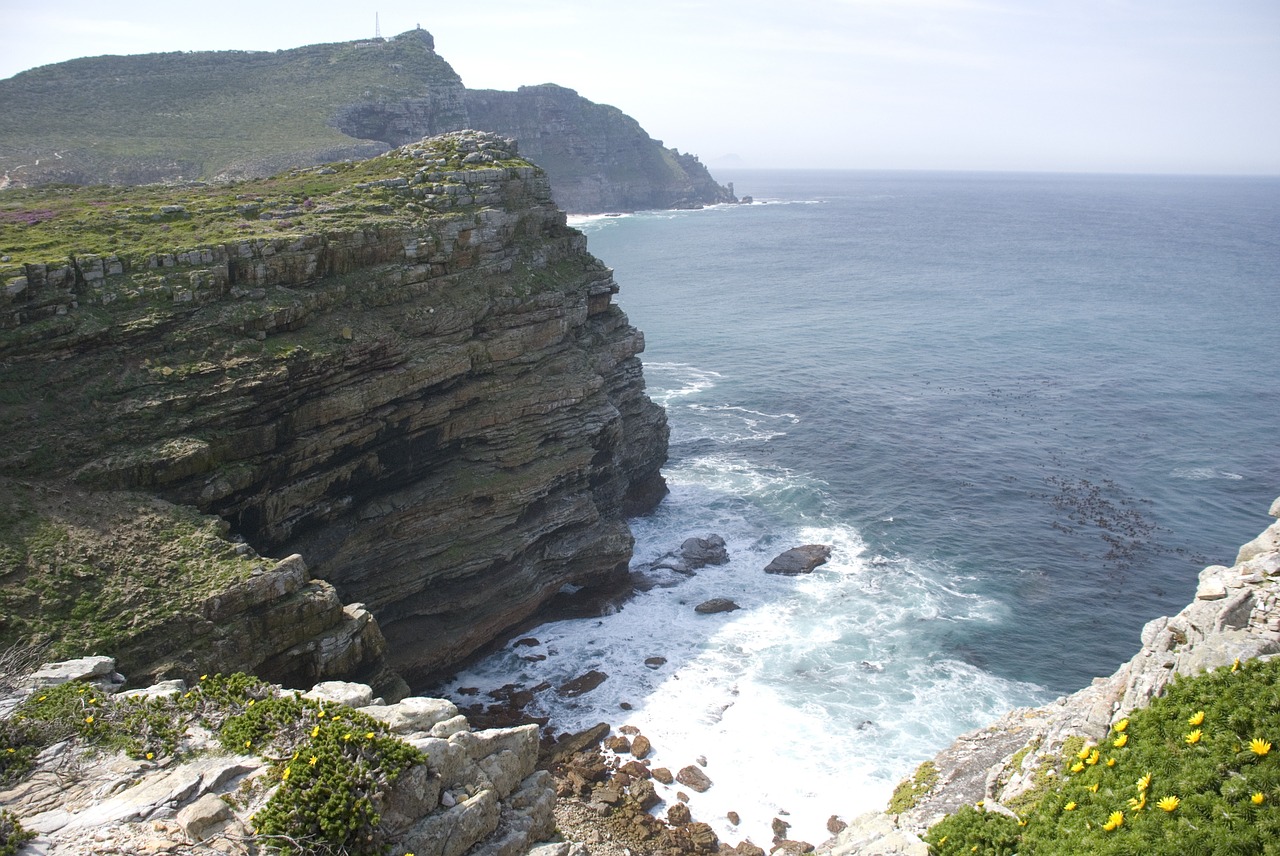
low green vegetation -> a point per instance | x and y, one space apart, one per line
909 791
202 114
91 572
331 764
1194 774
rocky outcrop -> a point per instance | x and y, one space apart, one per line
799 560
477 792
599 158
1235 616
438 405
181 116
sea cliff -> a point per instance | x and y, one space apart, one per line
408 370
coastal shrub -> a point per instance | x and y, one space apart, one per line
1194 773
908 792
12 834
331 763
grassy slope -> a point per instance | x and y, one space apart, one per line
247 103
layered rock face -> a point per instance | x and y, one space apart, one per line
1235 616
439 407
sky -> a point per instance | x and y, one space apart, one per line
1148 86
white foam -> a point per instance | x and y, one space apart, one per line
1204 474
813 698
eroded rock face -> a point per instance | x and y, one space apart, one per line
443 412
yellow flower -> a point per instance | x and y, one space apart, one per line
88 720
1071 806
319 714
285 774
1235 665
1258 797
151 756
1121 726
1115 821
1077 766
93 701
1111 762
1093 757
1168 803
247 744
42 698
368 735
1193 737
1196 718
1259 746
11 750
1144 782
315 730
1138 803
346 736
1094 787
313 760
204 677
250 704
1084 753
1121 740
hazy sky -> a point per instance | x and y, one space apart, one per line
1075 85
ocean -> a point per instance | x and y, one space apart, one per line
1024 410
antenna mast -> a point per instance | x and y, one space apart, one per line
377 27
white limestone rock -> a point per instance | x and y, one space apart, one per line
341 692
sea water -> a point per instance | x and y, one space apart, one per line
1024 410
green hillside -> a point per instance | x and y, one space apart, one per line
201 115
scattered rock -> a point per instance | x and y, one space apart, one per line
662 774
640 746
619 744
645 795
799 560
835 825
694 778
780 828
655 662
527 642
734 818
679 814
582 684
716 604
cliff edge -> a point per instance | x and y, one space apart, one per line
408 370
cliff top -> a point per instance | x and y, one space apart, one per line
207 112
49 225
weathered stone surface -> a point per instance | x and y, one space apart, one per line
582 684
478 791
641 747
799 560
694 778
716 604
83 669
413 714
342 692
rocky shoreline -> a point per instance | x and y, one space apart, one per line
1235 617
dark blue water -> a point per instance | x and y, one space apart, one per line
1063 389
1025 409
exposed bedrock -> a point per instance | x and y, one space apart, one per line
441 410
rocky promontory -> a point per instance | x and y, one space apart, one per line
407 370
222 115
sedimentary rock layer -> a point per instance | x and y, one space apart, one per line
438 406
